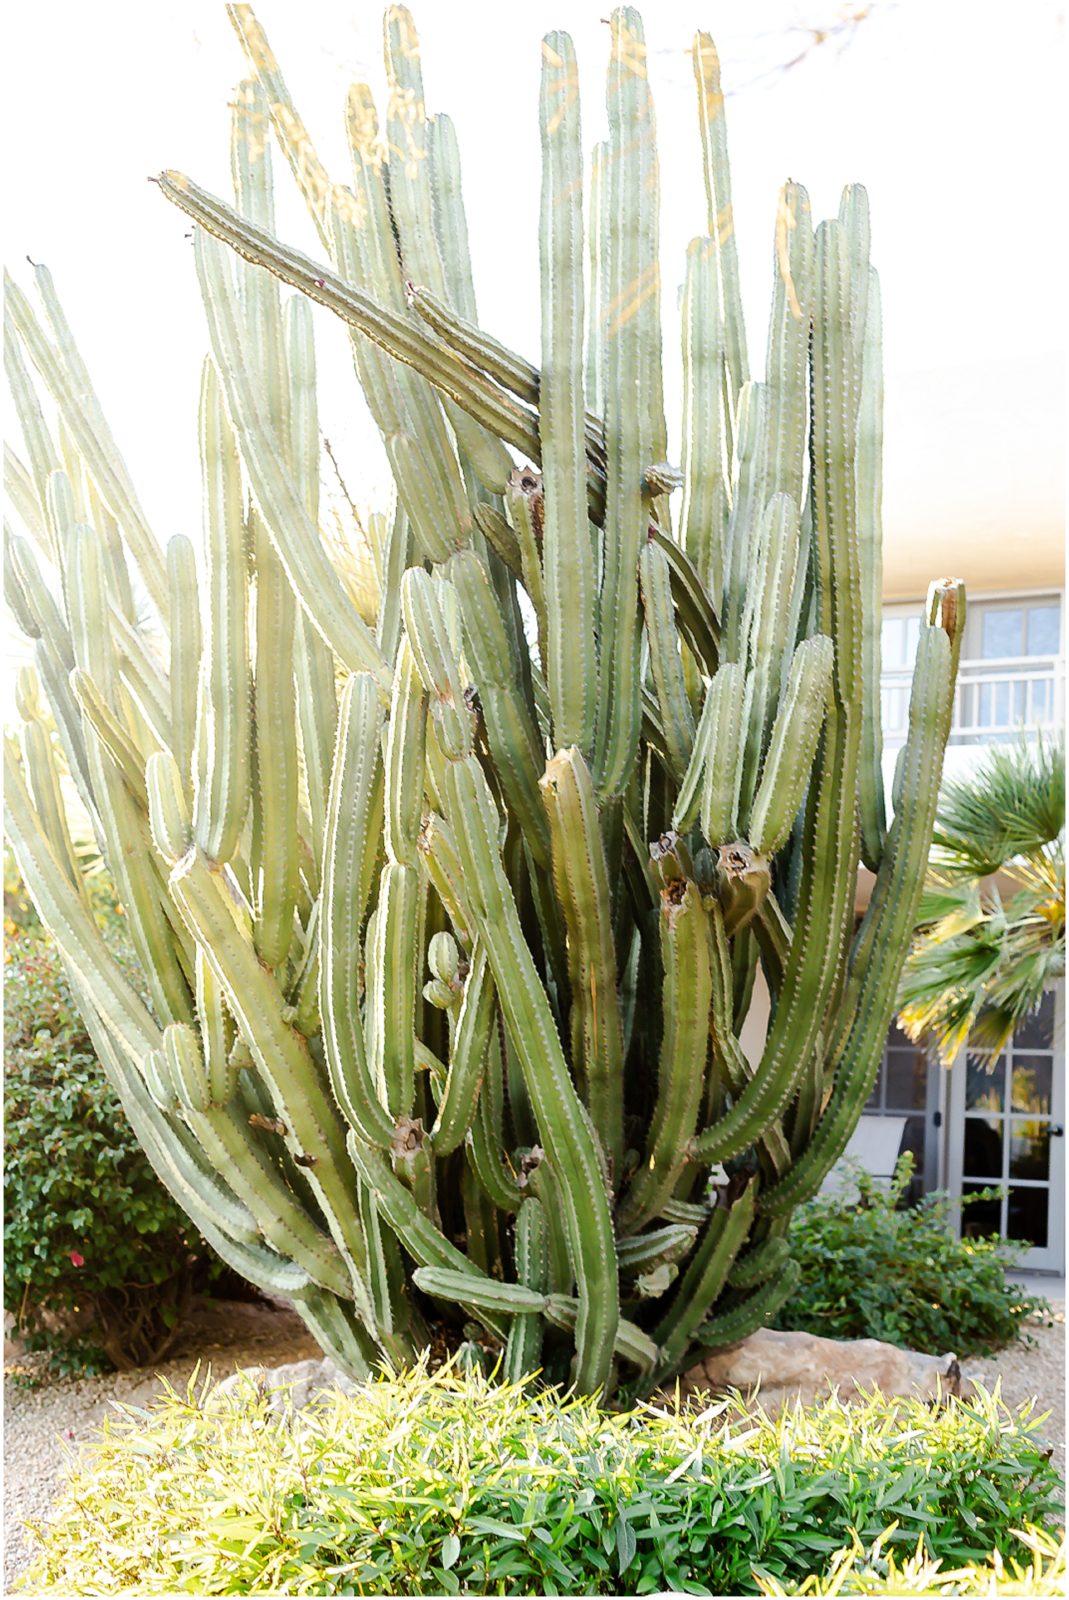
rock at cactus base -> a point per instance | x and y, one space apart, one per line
780 1368
771 1366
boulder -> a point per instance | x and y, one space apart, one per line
781 1367
773 1367
288 1388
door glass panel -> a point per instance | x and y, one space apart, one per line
1026 1216
1044 626
913 1141
1002 633
907 1081
983 1147
981 1218
1036 1032
1030 1150
984 1089
1032 1077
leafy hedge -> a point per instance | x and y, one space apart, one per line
873 1269
446 1484
1039 1571
100 1264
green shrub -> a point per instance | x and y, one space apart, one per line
875 1269
99 1262
1038 1571
445 1484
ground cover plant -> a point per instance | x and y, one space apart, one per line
1039 1571
449 1484
873 1268
100 1263
447 974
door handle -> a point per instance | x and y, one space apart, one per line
1057 1132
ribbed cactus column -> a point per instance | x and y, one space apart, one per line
451 904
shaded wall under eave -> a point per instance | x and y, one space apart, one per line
974 476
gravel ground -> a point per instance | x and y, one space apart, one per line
38 1422
1039 1371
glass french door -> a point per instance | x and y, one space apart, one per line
908 1086
1007 1131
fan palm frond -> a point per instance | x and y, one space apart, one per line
1012 807
979 967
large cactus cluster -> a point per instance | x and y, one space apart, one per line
451 889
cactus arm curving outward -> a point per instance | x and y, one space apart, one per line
392 332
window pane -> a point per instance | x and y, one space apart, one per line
983 1147
1037 1031
907 1080
1002 633
1042 701
1030 1150
1032 1084
982 1217
984 1090
1044 626
1026 1216
913 636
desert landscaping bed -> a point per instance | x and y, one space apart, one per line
43 1420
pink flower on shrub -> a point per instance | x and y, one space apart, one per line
76 1259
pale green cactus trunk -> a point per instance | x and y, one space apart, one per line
447 975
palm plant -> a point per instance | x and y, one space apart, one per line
981 962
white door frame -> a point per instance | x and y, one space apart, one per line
1051 1257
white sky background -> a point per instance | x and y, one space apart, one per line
950 111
